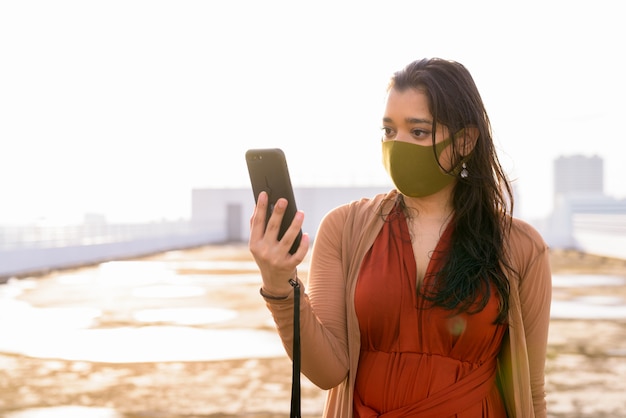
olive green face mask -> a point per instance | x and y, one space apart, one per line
414 168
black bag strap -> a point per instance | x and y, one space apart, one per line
295 377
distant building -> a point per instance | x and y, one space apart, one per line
224 214
576 175
584 218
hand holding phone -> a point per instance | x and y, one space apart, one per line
269 173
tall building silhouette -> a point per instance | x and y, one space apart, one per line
578 175
584 217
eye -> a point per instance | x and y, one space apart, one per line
420 133
388 132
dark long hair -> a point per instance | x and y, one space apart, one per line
482 202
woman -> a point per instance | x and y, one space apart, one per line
431 300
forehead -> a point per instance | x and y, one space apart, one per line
407 102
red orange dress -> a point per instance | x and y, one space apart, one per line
418 360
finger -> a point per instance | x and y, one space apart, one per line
303 248
257 222
276 218
294 229
300 252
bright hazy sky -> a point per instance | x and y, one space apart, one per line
122 107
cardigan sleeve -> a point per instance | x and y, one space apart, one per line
323 329
535 295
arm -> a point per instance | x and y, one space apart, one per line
535 293
323 311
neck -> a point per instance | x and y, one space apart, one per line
434 208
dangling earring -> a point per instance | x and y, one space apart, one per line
464 172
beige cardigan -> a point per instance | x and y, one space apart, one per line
330 331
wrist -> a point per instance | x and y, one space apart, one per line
281 292
273 295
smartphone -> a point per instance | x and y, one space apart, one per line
268 172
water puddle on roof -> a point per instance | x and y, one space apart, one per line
65 412
157 314
606 306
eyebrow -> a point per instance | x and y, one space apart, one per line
411 121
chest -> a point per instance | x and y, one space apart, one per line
424 239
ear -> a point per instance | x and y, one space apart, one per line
466 140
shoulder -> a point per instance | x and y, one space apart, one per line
358 210
525 233
524 244
352 217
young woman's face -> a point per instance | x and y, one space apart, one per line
407 118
